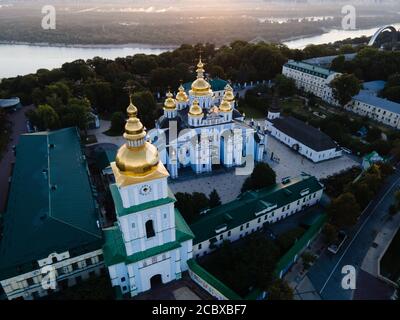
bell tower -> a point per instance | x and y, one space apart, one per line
150 238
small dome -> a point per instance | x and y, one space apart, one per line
225 106
169 103
181 95
229 93
214 109
195 110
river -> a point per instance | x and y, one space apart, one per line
332 36
20 59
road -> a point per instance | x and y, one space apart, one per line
18 123
326 275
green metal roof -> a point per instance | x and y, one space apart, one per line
122 211
114 248
213 281
244 208
309 68
217 84
51 207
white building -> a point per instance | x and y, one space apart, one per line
150 242
51 239
367 104
252 210
301 137
311 78
203 129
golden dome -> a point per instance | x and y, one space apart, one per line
137 160
195 110
181 95
169 103
229 93
225 106
136 156
200 87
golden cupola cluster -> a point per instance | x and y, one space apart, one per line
195 110
170 103
136 160
225 105
200 86
181 96
228 95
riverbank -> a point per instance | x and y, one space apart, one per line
90 46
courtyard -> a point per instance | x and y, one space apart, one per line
291 164
228 184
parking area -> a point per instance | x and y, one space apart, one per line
292 164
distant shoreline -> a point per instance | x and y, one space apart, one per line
89 46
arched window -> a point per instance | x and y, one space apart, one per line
150 229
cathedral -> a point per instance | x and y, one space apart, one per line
201 128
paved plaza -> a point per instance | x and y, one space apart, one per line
227 184
103 138
293 164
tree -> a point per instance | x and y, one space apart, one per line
331 233
344 210
147 107
280 290
190 205
117 123
286 86
345 87
261 177
338 64
75 113
286 240
44 117
362 192
215 200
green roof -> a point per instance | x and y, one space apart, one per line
244 208
51 207
104 158
288 258
213 281
217 84
122 211
183 232
309 68
114 248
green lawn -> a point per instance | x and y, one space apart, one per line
390 263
